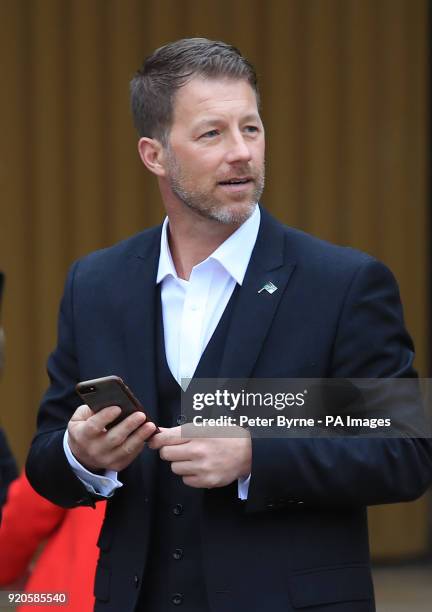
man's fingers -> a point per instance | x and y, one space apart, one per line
176 452
123 430
96 446
136 440
98 420
195 482
168 437
97 423
122 455
82 413
183 468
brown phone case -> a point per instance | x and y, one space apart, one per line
109 391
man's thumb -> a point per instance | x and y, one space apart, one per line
82 413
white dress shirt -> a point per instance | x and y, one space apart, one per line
191 311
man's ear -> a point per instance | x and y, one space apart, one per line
151 152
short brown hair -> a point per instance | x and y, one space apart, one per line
170 67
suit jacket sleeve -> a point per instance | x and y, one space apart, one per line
371 342
46 456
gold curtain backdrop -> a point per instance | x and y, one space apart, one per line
345 99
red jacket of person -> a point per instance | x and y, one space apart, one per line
67 562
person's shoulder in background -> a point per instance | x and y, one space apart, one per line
67 561
8 467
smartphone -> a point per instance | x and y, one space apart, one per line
109 391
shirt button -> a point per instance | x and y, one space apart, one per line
136 581
194 307
178 554
181 419
177 599
178 509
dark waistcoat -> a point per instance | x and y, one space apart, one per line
174 578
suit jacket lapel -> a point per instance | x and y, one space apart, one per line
254 311
139 311
139 320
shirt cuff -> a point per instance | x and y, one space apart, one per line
243 487
104 485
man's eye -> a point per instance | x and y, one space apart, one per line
210 134
252 129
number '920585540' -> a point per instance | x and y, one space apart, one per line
13 598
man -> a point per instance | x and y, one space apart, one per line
220 524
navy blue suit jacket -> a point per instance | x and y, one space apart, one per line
300 541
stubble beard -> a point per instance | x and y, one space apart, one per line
206 205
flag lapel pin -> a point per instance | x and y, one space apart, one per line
269 287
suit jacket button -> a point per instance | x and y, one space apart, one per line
136 581
178 554
177 599
178 509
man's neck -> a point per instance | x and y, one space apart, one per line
192 240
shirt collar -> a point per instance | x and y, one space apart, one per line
233 254
166 264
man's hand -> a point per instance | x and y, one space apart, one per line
205 462
97 448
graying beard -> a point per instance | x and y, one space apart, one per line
211 211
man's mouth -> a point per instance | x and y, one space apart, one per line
236 181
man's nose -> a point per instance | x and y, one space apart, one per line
238 150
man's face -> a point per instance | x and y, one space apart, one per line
215 155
